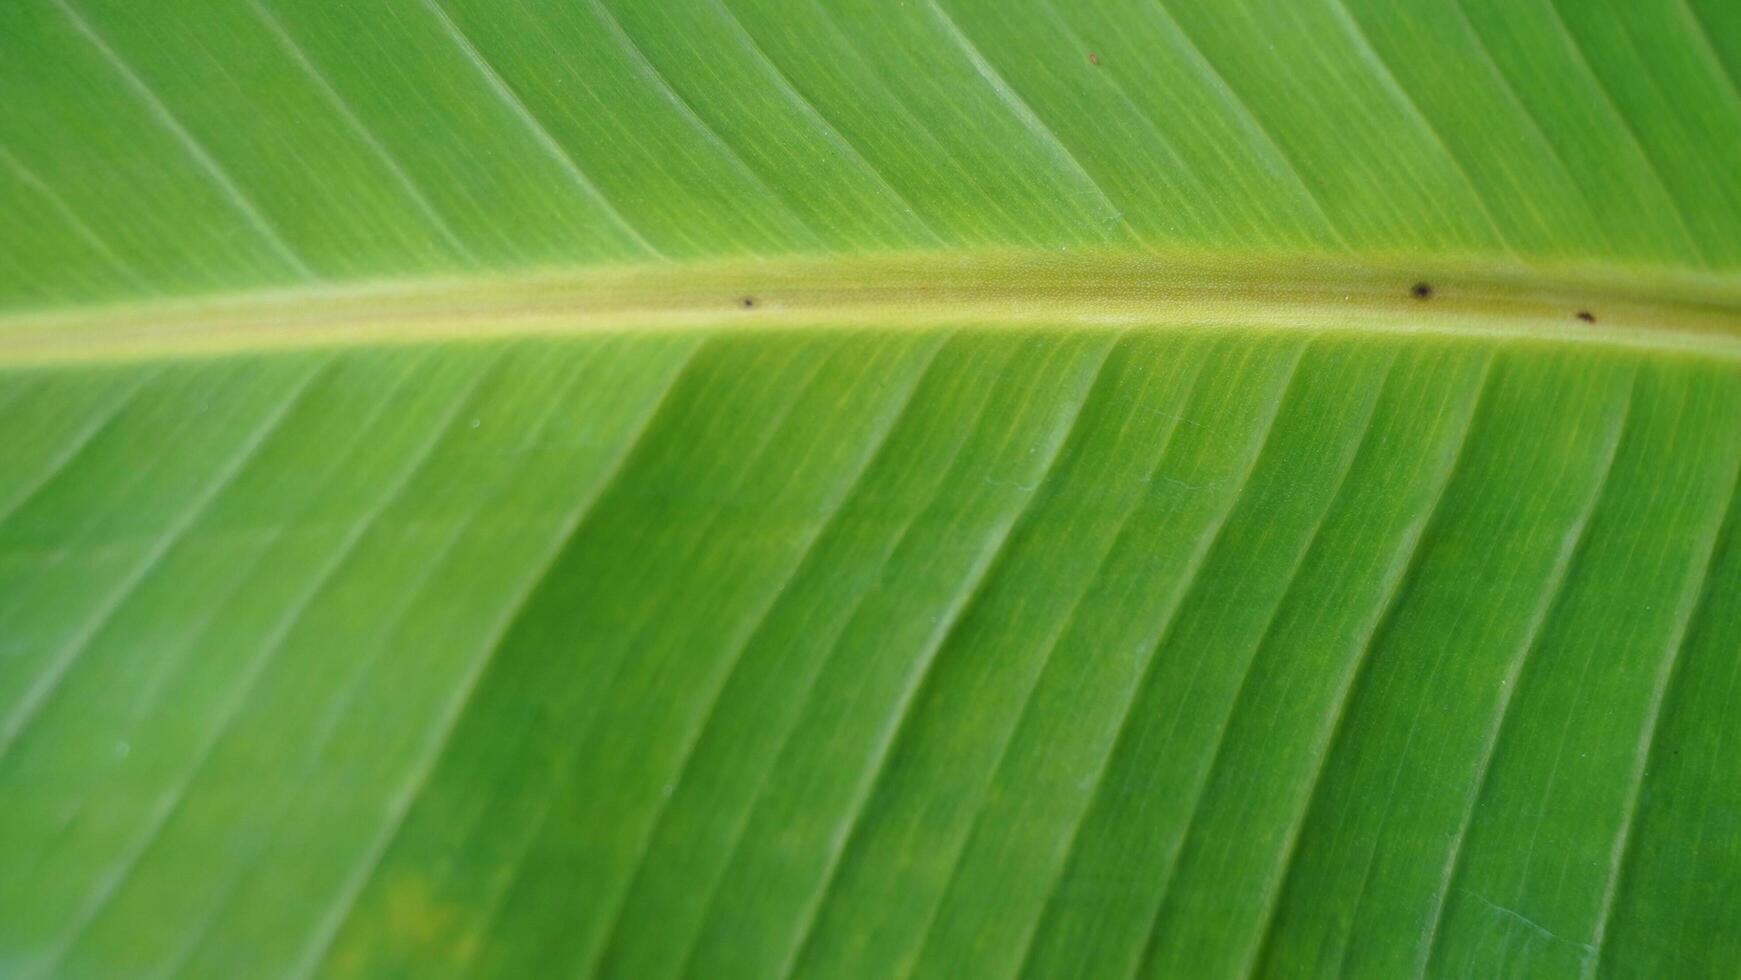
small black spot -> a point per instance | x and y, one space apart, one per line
1586 316
1093 58
748 302
1422 290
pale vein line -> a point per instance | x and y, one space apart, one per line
356 125
669 93
1207 538
1695 602
912 123
1254 952
1266 935
1548 596
1387 608
535 433
1529 116
506 94
191 945
830 131
1200 60
1688 885
1007 95
77 224
61 661
1190 182
990 556
270 649
345 900
150 687
1420 117
492 907
807 695
360 430
1645 76
244 689
1525 920
1027 708
1570 548
245 453
1546 795
82 807
1702 39
160 112
1300 562
76 446
94 904
879 443
1631 132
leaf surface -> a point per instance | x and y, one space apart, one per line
837 488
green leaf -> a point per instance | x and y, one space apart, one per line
841 488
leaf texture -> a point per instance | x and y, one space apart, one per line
829 488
